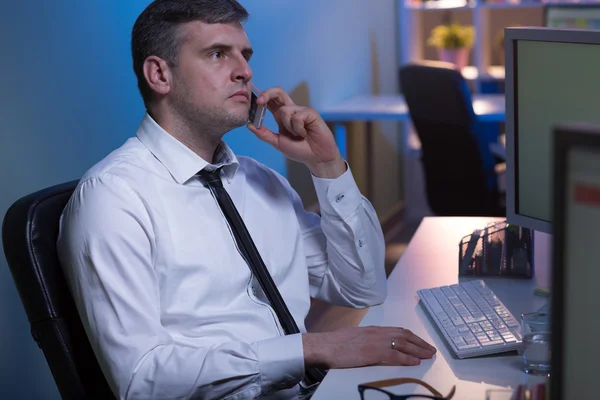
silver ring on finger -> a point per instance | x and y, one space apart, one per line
393 344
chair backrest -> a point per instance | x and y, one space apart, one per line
29 233
457 162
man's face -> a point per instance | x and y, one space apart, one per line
210 86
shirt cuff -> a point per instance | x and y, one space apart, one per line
281 362
338 196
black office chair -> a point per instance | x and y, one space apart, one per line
29 234
459 168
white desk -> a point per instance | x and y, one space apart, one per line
431 259
488 107
494 73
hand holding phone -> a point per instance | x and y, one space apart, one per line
257 112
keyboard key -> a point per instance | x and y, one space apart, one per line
511 321
447 323
485 324
470 338
467 346
508 338
453 332
481 335
499 325
447 291
492 343
456 288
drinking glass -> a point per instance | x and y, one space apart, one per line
535 330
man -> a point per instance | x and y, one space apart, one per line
169 304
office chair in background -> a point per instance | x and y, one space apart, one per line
29 234
460 179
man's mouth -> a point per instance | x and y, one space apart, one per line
241 95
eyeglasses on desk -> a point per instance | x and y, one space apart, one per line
374 390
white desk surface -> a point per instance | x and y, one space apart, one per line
431 259
488 107
493 73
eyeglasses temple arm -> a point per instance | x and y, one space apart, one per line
400 381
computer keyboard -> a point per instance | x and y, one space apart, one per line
472 319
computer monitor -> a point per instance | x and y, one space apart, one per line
575 277
551 76
581 16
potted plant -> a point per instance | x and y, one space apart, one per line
453 42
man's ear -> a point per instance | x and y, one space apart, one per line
157 74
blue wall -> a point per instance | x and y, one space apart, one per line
68 97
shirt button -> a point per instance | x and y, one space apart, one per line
339 198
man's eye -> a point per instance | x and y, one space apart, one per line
217 54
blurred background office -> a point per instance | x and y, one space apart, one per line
69 97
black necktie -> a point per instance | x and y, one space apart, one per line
212 180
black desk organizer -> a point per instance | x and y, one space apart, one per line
499 249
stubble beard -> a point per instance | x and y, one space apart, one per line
214 122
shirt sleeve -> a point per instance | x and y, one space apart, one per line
345 248
107 249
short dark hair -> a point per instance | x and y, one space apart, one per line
156 31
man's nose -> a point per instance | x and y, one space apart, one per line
243 72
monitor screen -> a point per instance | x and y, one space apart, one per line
552 81
576 274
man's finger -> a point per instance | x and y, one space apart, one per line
286 114
398 358
275 95
298 122
285 117
411 349
265 134
412 338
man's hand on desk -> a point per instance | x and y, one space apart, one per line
362 346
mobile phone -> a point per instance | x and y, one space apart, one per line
257 112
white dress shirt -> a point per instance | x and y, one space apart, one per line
171 308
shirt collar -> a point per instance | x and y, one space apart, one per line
181 162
